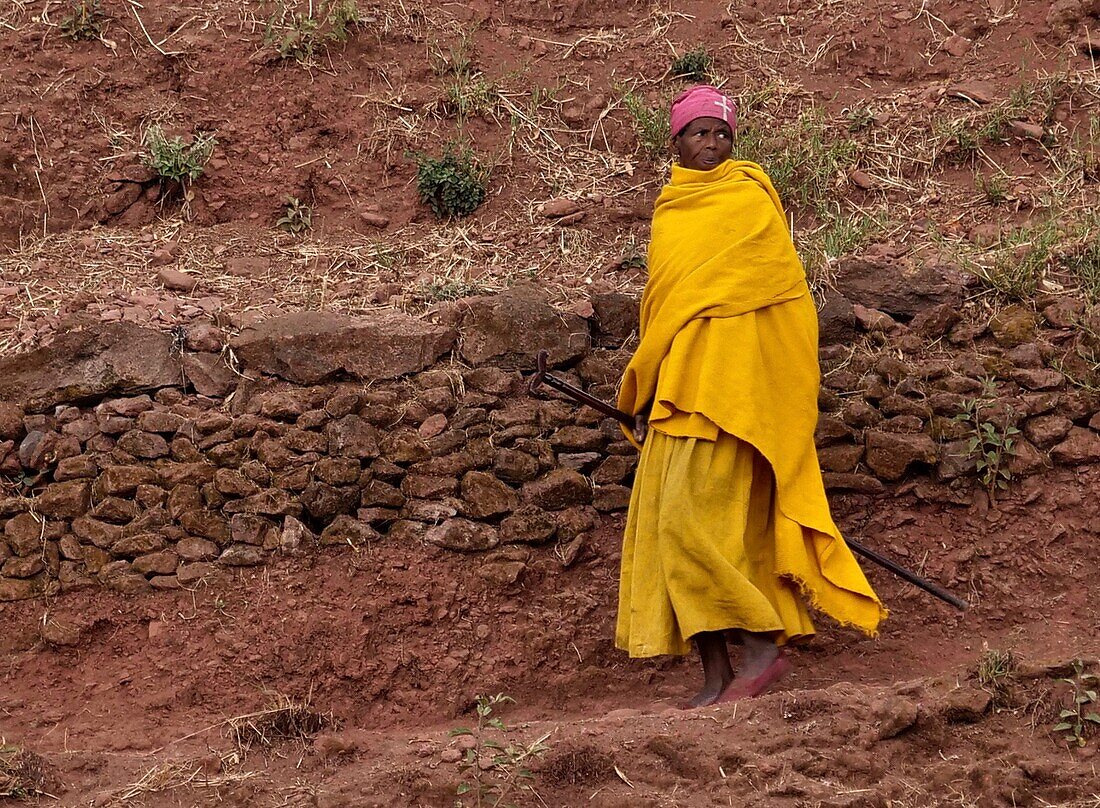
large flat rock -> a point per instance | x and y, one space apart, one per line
311 346
898 286
509 329
97 360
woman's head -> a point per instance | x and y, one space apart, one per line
703 121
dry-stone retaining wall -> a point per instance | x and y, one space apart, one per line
124 466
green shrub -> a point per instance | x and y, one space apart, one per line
692 66
174 159
296 218
299 36
453 184
84 22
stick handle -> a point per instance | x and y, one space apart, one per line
543 377
563 386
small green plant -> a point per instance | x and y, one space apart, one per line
468 95
296 218
174 159
692 66
1085 152
455 61
466 91
990 445
23 483
494 769
1021 261
301 36
650 123
1081 257
453 184
994 673
1085 265
994 188
837 236
387 258
1034 100
960 140
85 21
1080 719
859 119
447 287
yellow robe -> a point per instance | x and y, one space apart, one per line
728 526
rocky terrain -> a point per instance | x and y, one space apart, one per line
278 513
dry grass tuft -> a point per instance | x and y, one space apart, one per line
285 720
24 775
166 777
995 671
14 14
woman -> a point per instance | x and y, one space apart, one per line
729 532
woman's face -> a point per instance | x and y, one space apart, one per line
704 144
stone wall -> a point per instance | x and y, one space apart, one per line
346 431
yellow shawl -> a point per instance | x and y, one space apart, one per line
720 248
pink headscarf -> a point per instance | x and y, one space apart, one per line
702 101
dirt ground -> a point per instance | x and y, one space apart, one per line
392 646
179 698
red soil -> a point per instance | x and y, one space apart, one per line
396 642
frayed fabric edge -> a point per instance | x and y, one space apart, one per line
813 600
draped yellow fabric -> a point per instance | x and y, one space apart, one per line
728 348
700 547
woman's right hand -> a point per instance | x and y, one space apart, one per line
641 427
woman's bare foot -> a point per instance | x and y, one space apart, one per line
717 670
708 695
758 656
746 688
760 651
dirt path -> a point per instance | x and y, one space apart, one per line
394 645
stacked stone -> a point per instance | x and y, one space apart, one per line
159 491
886 416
